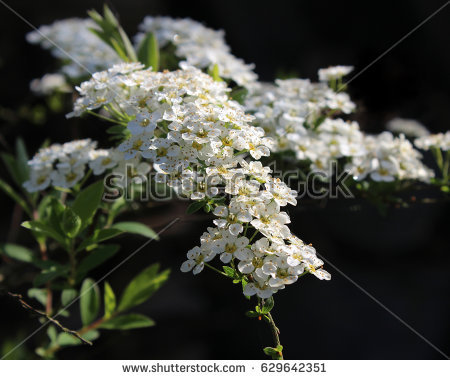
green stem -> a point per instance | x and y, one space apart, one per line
105 118
215 269
253 236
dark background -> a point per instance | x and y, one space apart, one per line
401 259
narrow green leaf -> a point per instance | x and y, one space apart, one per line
11 164
109 16
50 274
119 49
95 258
17 252
44 229
89 301
131 53
98 237
194 207
109 300
68 295
22 160
136 228
143 286
38 294
52 334
148 52
87 202
15 196
214 72
94 15
127 322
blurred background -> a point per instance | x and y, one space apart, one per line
402 259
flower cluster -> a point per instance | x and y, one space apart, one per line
300 117
65 165
197 140
199 46
387 158
437 141
71 39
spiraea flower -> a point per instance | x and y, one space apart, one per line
302 118
65 165
437 141
198 45
202 145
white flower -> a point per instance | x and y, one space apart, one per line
144 123
196 260
233 246
334 72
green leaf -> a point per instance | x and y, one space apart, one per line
51 211
275 353
127 322
38 294
67 296
22 160
136 228
87 202
268 305
89 301
53 272
52 333
252 314
116 129
45 230
109 16
71 222
95 258
148 52
194 207
10 162
143 286
66 339
239 94
230 272
17 252
214 72
128 45
109 300
15 197
98 237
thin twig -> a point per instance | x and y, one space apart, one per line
54 321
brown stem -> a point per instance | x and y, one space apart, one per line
50 319
275 333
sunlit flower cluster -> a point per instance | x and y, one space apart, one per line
437 141
387 158
199 46
71 41
197 139
66 165
301 118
